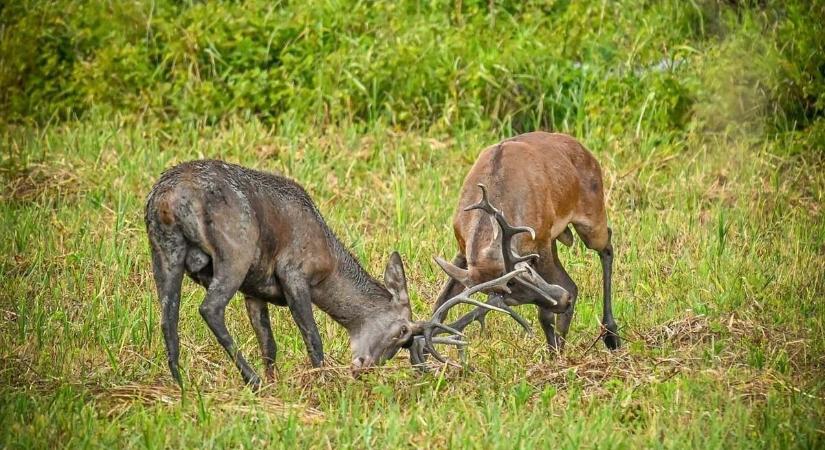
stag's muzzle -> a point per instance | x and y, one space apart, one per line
360 365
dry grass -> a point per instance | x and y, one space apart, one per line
680 346
56 179
116 400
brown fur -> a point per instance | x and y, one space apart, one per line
545 181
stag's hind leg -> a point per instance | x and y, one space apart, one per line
168 253
228 276
258 313
597 236
611 338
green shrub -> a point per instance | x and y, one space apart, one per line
520 65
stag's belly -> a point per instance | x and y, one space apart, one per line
263 286
257 283
268 292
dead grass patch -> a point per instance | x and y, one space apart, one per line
680 346
115 400
38 180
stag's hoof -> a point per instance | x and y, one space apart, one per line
173 367
254 383
556 347
612 340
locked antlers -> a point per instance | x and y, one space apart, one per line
428 329
512 274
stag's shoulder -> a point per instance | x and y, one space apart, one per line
556 145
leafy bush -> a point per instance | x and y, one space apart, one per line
522 65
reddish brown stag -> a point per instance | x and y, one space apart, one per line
544 182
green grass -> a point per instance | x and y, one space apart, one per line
718 280
714 172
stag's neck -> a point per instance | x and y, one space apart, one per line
349 294
351 300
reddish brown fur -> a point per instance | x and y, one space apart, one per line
541 180
544 181
165 212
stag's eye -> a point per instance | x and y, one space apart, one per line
403 332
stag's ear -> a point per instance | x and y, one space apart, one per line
395 280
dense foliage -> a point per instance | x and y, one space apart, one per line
538 64
705 115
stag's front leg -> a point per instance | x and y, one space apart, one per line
611 338
296 290
258 313
547 320
555 326
227 280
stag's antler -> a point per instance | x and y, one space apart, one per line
436 323
511 258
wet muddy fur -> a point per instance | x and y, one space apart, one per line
233 229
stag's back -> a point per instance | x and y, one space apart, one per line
541 180
223 208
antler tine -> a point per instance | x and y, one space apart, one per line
419 360
511 258
450 341
417 354
483 204
515 258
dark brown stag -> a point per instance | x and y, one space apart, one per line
233 229
545 182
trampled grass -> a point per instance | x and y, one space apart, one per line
718 278
707 119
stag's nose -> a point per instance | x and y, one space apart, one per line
359 365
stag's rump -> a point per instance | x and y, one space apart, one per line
225 217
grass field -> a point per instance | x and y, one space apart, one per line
719 276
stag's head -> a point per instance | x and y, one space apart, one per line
501 258
390 327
